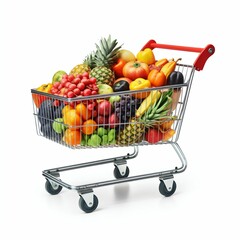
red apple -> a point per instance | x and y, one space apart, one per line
101 120
104 108
153 135
113 120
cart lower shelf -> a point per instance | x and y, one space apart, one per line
88 201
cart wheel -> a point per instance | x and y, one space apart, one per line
164 191
117 173
83 205
52 189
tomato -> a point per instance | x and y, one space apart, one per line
135 69
157 78
118 67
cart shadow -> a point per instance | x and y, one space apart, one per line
121 192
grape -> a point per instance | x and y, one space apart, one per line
76 81
81 86
117 104
70 77
71 86
76 91
67 84
93 80
56 84
70 94
87 92
85 74
122 102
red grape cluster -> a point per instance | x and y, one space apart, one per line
71 86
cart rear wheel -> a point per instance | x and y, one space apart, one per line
164 191
117 173
83 205
53 189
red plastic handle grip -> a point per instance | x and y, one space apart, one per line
200 61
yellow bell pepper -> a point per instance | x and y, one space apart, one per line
146 56
37 98
139 84
45 88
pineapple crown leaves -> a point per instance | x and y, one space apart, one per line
107 52
89 60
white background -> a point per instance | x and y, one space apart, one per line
40 37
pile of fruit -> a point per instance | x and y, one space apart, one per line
126 114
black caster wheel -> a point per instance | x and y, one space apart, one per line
83 205
164 191
118 175
52 189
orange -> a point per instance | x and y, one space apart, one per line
83 111
89 127
66 109
72 119
72 137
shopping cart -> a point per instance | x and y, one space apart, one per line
127 131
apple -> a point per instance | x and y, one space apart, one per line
101 120
104 89
153 135
113 99
104 108
113 120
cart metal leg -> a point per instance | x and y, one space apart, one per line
88 201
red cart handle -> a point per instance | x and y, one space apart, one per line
200 61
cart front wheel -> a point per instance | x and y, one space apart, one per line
164 191
117 173
53 189
83 205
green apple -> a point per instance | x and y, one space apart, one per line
113 99
104 89
57 77
58 125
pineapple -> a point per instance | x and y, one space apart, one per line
80 69
134 130
86 66
105 56
132 133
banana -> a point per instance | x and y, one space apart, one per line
147 102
